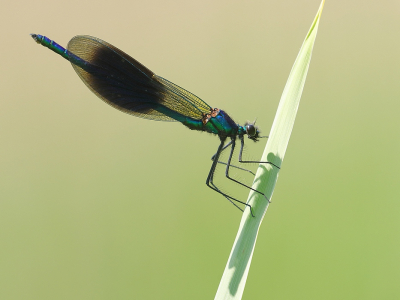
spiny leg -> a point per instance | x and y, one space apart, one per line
224 163
233 142
250 161
218 190
210 179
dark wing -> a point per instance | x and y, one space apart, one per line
126 84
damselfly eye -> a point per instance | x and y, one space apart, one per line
251 130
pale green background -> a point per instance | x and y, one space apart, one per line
97 204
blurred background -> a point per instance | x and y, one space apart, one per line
97 204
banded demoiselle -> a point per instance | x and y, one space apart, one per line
127 85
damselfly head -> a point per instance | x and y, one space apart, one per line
252 131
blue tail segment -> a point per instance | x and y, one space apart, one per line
52 45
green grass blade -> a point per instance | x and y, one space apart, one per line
234 278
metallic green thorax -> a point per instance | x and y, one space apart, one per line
221 125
